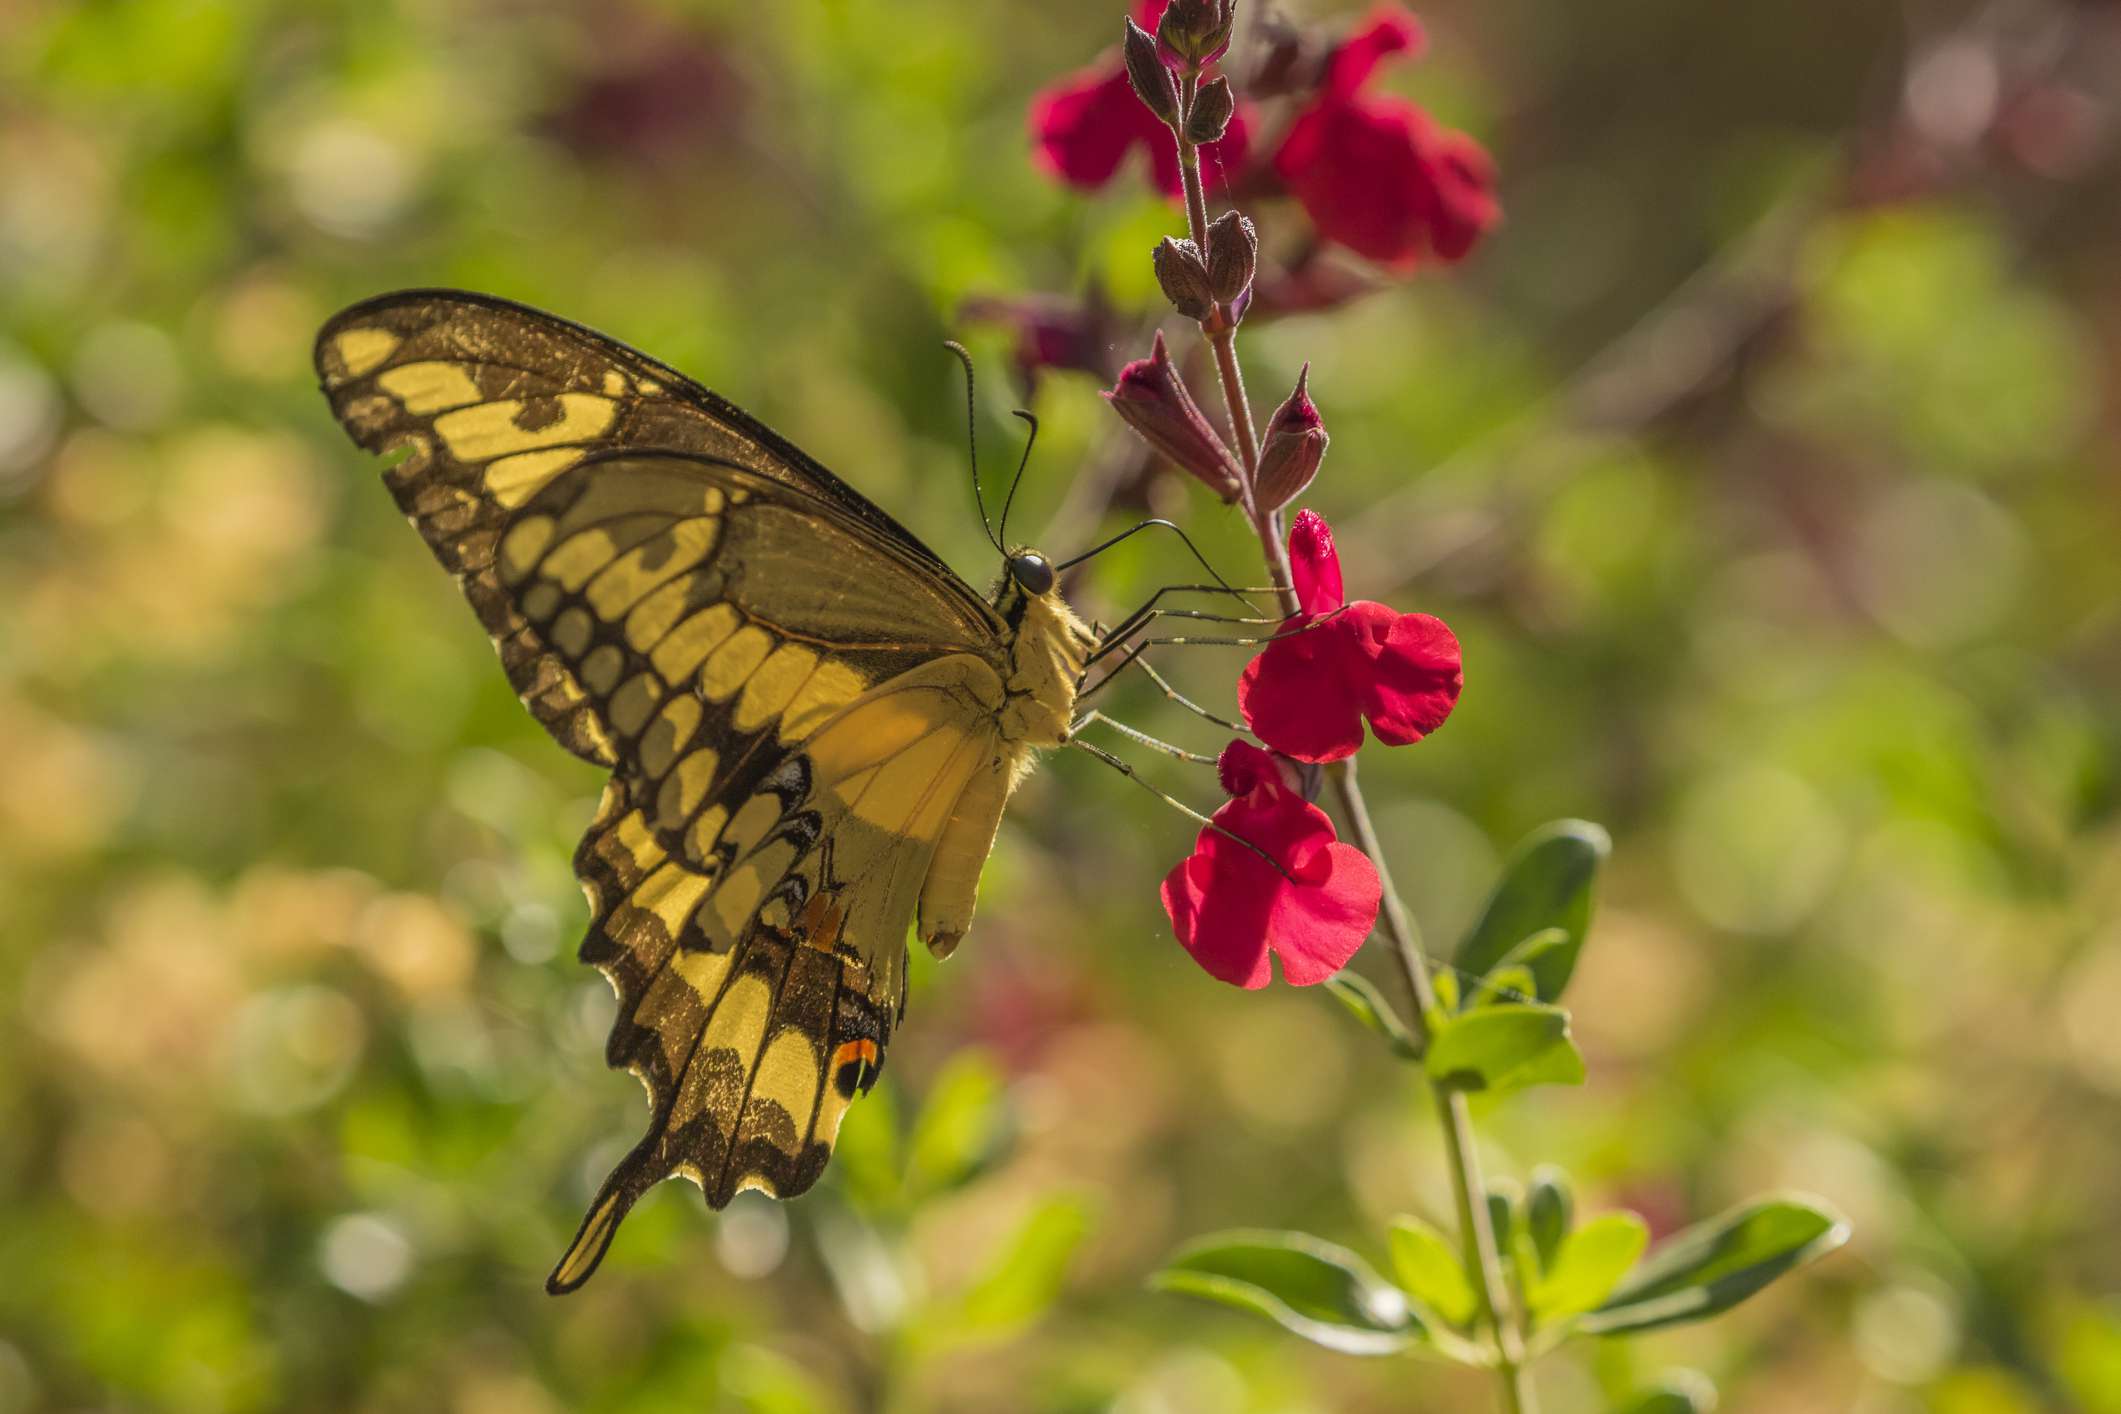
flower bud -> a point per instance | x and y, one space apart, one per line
1233 254
1210 114
1184 277
1195 32
1153 400
1146 72
1290 451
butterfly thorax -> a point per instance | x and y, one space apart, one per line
1048 651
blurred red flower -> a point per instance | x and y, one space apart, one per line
1377 174
1085 125
1230 908
1309 692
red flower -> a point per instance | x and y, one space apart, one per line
1230 908
1085 125
1377 174
1308 694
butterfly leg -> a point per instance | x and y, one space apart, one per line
1131 621
1153 743
1133 658
1175 803
1112 643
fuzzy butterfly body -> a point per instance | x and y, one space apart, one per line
812 725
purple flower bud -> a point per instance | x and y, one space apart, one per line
1294 445
1209 117
1153 399
1183 276
1195 32
1233 254
1146 72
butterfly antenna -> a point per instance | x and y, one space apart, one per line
1018 480
979 497
1136 529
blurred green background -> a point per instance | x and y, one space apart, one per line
1765 460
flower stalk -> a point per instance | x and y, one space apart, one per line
1483 1253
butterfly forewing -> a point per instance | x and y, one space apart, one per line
793 696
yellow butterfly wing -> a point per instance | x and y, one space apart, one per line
490 401
796 700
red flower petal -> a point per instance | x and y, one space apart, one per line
1390 30
1376 174
1415 675
1314 564
1300 696
1084 126
1230 908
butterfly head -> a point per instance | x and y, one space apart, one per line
1032 573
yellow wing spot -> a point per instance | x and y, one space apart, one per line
614 383
578 557
788 1075
677 655
703 971
739 1023
514 480
831 687
632 575
634 837
657 614
521 547
776 914
363 349
734 897
759 815
671 893
632 703
672 728
686 787
600 670
647 386
706 832
540 601
769 689
734 661
429 386
570 633
477 434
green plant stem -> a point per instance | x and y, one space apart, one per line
1483 1253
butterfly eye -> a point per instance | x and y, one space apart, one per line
1032 572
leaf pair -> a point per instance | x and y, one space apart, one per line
1496 1026
1591 1281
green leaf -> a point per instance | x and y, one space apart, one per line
1026 1279
1549 1211
1713 1266
1429 1267
1508 983
1589 1263
1677 1392
1308 1286
1368 1005
962 1128
1504 1047
1546 883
